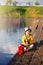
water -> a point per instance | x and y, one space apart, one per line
9 40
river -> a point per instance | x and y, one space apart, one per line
9 40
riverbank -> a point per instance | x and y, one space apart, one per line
31 11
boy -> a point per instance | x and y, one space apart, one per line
27 42
27 39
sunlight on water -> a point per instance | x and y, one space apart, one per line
9 40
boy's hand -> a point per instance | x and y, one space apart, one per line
25 41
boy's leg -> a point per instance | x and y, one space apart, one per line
30 47
24 47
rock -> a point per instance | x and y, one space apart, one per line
29 58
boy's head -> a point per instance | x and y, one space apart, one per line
27 30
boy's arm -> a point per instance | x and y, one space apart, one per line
31 39
23 39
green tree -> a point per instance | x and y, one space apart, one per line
21 10
14 3
8 2
37 2
29 3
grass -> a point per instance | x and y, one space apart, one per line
31 11
8 11
34 11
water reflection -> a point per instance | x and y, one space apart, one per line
11 30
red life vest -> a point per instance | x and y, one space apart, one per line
20 49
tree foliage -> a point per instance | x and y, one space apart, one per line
29 3
8 2
14 3
36 3
21 10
